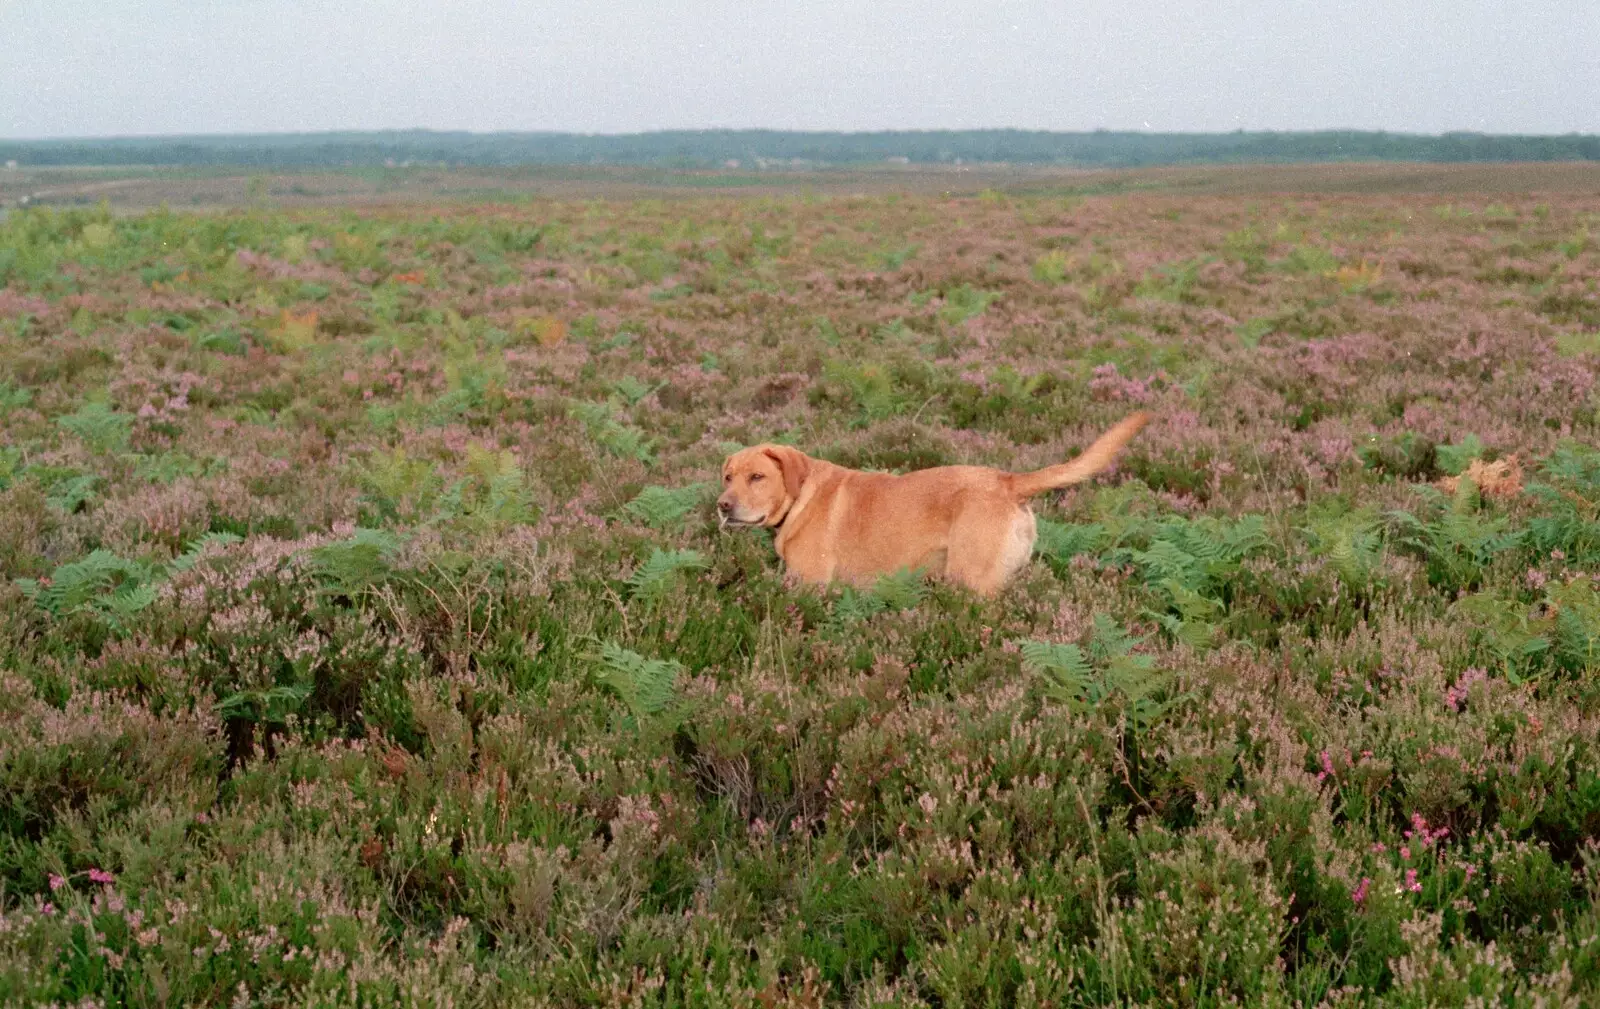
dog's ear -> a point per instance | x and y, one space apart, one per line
795 464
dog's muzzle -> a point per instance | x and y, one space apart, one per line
726 517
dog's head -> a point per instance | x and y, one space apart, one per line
760 485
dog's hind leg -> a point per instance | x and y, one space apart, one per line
988 546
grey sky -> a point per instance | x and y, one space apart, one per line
112 67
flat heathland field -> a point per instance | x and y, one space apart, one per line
366 636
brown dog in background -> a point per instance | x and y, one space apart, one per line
971 524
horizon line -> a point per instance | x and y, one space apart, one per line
135 137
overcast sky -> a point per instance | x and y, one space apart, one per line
119 67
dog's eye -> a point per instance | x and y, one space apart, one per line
756 476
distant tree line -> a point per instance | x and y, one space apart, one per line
760 148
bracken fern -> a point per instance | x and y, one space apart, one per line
657 575
667 507
647 686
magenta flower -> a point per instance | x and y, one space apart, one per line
101 876
1458 693
57 882
1359 894
1327 767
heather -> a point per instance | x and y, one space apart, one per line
367 636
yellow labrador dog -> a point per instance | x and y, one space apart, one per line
971 524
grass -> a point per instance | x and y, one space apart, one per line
367 636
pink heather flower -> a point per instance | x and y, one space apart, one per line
1405 851
1458 693
47 908
1379 848
1359 894
1535 578
928 803
101 876
1420 831
57 882
1107 382
1411 881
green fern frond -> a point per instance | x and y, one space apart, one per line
1059 542
853 606
659 572
667 507
1576 606
632 389
1466 499
1507 631
494 493
395 483
354 566
1350 542
127 601
191 556
1111 641
620 439
13 397
271 705
1110 676
902 590
79 583
1457 542
870 385
109 587
1066 673
1166 561
100 427
1577 466
1569 494
1454 459
73 492
645 685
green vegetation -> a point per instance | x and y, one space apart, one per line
367 636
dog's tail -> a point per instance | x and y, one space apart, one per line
1091 461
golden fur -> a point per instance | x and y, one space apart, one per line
971 524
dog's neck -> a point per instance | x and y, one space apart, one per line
783 514
790 515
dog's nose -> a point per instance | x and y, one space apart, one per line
724 507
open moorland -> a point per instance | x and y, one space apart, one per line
366 636
132 189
